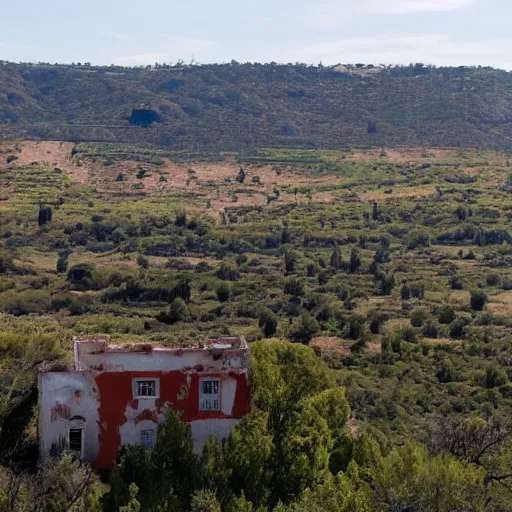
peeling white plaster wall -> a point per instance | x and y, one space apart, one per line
73 390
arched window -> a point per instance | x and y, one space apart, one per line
75 434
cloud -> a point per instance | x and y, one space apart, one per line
332 13
405 48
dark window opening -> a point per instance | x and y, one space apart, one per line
75 440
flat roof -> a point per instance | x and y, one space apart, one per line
104 346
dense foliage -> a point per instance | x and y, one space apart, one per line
393 266
235 106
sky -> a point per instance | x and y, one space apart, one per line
142 32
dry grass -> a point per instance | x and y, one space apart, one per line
437 341
380 195
331 345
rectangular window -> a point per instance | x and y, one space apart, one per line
75 439
147 438
145 388
209 395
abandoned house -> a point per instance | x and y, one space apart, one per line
118 394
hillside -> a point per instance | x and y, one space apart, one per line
237 106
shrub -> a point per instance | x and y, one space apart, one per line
267 321
376 322
227 273
290 258
445 372
458 325
45 215
355 261
356 327
240 177
456 283
304 329
80 274
417 239
418 317
293 287
494 377
180 219
336 260
142 261
178 312
446 315
478 300
223 292
417 290
493 280
62 263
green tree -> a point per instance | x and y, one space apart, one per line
174 460
304 453
62 262
478 300
267 321
336 259
340 493
446 314
223 292
178 312
408 475
355 260
142 261
214 473
204 501
240 177
290 258
133 504
248 451
304 328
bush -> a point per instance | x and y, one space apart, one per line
456 283
293 287
223 292
290 258
304 329
62 263
446 315
142 261
457 330
267 321
493 280
80 274
227 273
180 219
494 377
45 215
178 312
417 239
376 322
478 300
418 317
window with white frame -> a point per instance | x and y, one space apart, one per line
209 395
146 388
147 438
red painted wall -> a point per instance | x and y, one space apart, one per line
115 390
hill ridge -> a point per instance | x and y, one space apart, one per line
238 106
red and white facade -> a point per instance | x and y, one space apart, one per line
118 394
